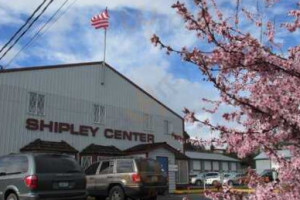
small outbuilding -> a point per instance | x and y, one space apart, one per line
263 162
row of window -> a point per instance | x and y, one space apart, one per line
197 165
37 107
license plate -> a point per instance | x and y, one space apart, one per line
63 184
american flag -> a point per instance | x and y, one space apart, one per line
100 20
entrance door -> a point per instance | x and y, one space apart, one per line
163 163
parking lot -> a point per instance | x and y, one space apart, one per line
178 197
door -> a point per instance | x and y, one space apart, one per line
104 176
90 173
163 161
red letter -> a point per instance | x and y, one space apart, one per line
127 135
63 127
94 130
118 134
106 133
84 130
150 138
43 125
32 124
143 137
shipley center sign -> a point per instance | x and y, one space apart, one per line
83 130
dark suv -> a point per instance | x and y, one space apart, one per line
41 176
121 178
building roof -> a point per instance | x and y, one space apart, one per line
49 146
263 156
102 150
209 156
144 148
84 64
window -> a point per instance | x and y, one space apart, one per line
207 165
147 122
49 164
233 166
225 166
86 161
209 175
196 165
148 166
215 166
2 166
13 165
99 113
36 103
106 167
168 127
91 170
124 166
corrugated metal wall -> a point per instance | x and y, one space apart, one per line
70 94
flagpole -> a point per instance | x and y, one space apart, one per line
104 56
104 53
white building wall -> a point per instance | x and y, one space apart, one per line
171 161
261 165
70 93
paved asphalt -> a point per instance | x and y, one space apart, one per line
178 197
181 197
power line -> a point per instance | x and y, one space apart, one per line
37 35
23 33
27 21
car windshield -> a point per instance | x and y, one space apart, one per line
145 165
56 164
264 173
227 175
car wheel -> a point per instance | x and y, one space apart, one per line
198 182
116 193
230 183
12 196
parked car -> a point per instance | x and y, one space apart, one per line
269 175
121 178
165 181
197 179
41 176
266 176
212 178
232 178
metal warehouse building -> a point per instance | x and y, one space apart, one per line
90 111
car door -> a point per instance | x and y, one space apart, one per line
104 176
90 173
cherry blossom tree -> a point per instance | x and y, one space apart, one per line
256 78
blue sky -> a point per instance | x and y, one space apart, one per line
71 39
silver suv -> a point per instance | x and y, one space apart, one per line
121 178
